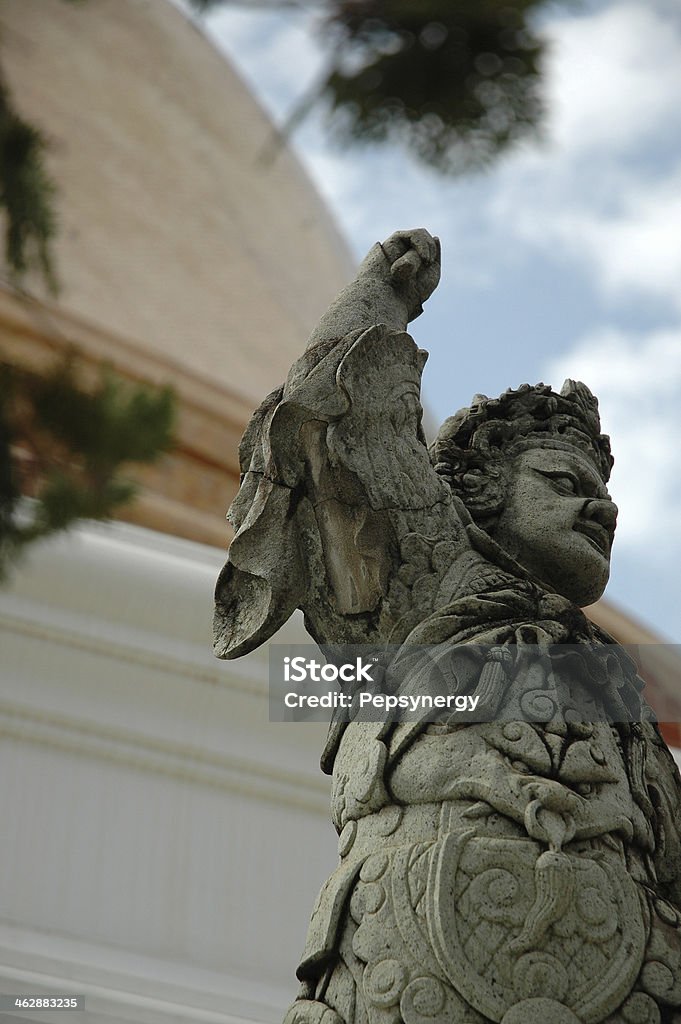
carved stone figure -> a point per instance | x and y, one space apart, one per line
524 869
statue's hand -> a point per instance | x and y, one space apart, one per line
391 285
410 262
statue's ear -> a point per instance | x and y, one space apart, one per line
263 581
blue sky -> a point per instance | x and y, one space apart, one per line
564 260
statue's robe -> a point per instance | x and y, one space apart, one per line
525 868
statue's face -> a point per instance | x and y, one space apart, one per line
558 521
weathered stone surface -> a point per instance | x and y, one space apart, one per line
525 868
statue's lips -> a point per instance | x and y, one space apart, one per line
597 535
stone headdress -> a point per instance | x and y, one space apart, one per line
473 446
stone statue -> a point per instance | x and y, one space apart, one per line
525 869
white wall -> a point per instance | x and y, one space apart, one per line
163 842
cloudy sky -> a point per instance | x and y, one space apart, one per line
562 261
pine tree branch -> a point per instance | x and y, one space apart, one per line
67 448
27 194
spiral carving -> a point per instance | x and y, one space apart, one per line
423 999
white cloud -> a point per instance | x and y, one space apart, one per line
639 247
638 383
614 76
604 190
276 52
631 244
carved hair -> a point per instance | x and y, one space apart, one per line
474 448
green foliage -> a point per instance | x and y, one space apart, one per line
26 194
457 81
113 424
65 447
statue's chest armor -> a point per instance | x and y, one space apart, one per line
502 758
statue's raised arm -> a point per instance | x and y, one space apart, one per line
340 512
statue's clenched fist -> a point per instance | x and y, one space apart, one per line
414 258
410 262
391 285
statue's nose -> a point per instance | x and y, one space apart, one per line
602 511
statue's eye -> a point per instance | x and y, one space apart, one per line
564 484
